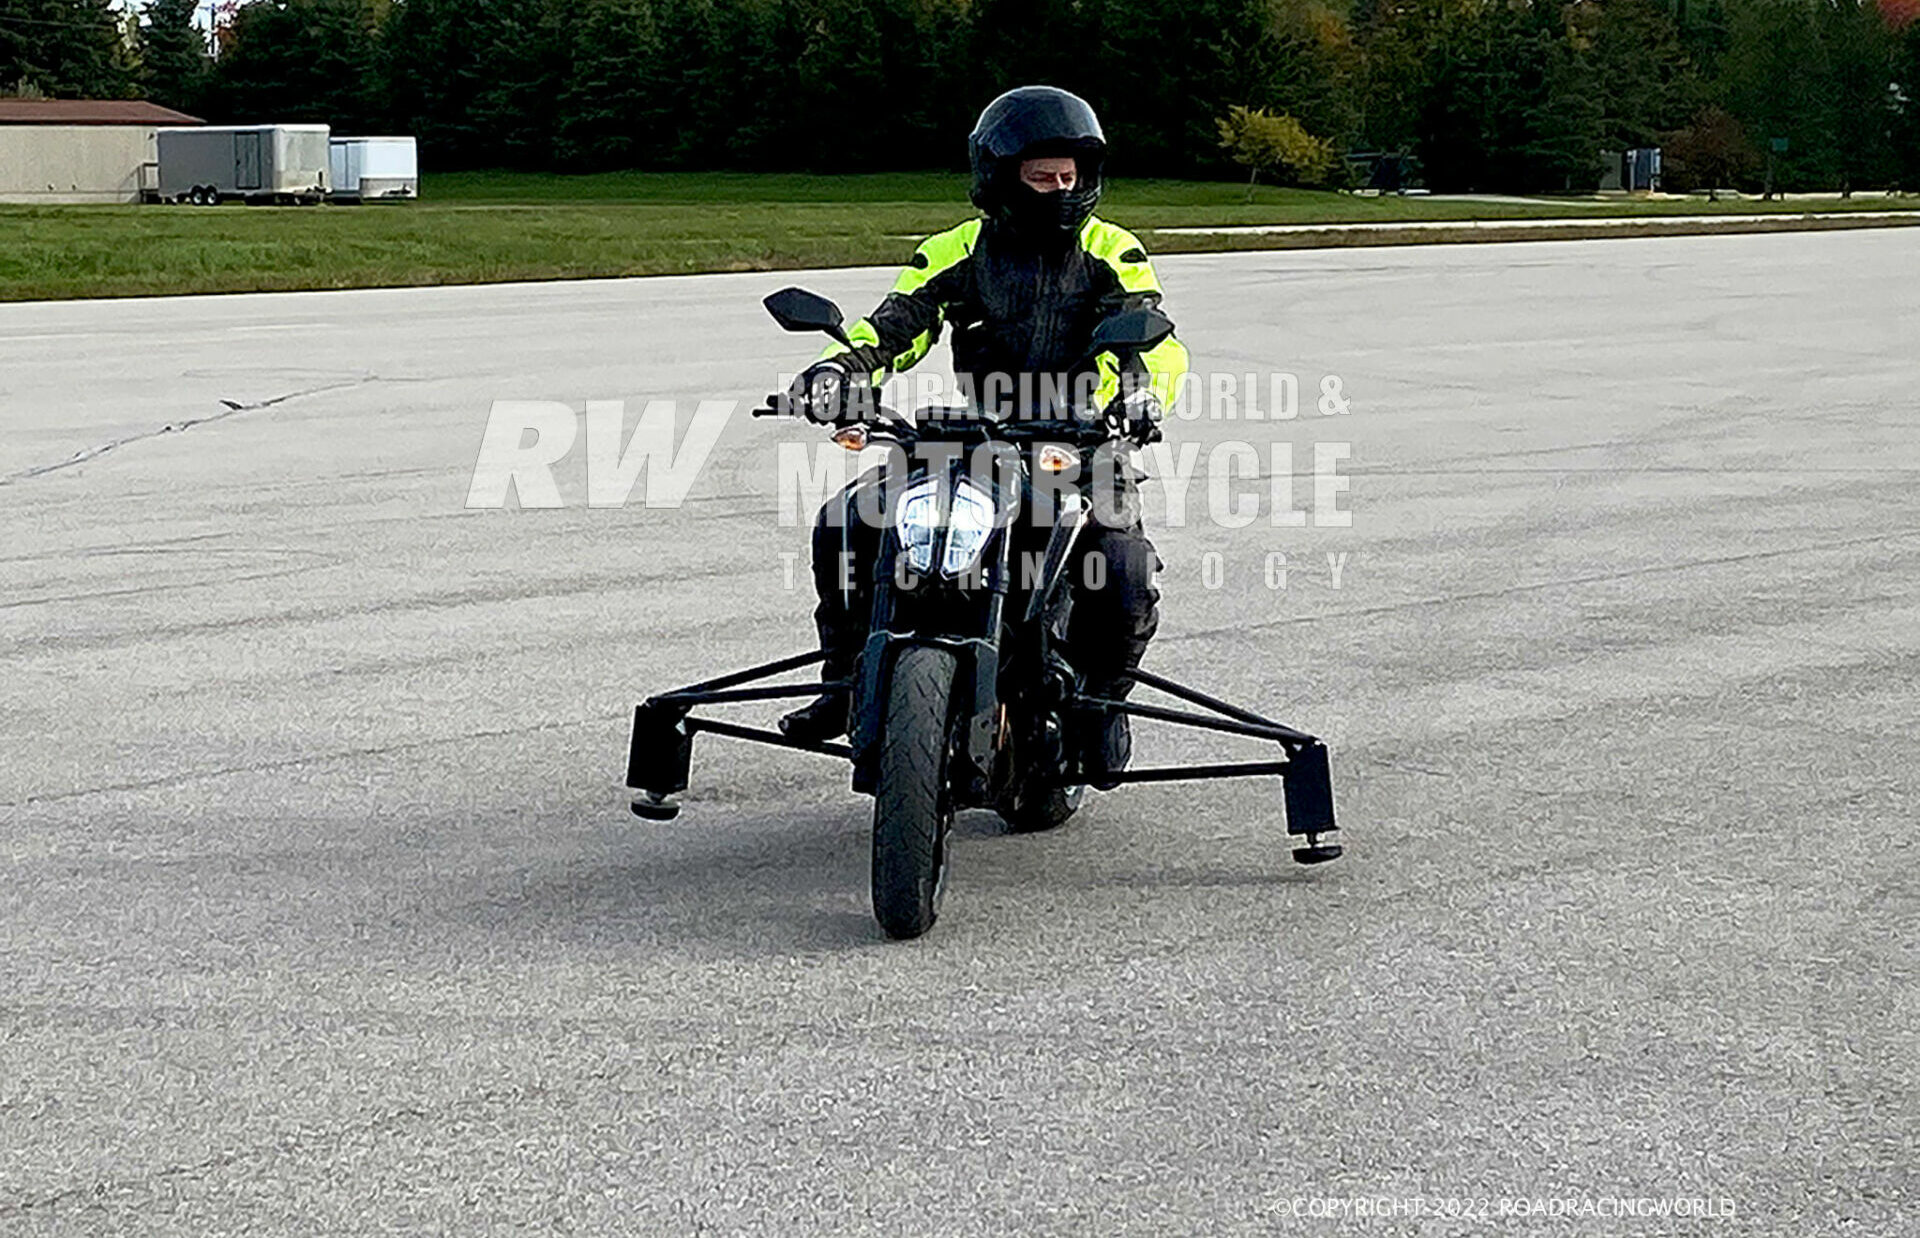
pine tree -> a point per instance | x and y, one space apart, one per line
1855 93
1905 123
66 49
1642 73
1773 75
299 61
611 113
173 55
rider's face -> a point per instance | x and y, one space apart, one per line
1050 175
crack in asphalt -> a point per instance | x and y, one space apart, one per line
233 408
315 758
1536 586
140 590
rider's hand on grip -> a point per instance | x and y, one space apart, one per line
825 392
1135 415
820 392
815 391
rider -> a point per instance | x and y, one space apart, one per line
1023 288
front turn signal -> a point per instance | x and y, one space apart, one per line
1056 458
853 438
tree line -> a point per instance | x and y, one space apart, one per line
1488 95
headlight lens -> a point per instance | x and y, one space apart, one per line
915 524
969 523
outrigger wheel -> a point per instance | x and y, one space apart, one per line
658 761
662 808
1315 852
1308 785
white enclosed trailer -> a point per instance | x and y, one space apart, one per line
373 169
260 163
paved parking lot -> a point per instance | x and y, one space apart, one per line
322 913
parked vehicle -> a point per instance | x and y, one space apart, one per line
205 165
373 170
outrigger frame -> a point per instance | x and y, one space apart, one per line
660 755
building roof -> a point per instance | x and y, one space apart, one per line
90 112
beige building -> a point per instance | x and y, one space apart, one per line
79 150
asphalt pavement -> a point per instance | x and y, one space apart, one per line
321 911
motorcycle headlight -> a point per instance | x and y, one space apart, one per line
968 525
916 522
970 521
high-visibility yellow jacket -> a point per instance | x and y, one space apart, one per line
1021 311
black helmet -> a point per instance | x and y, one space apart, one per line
1036 122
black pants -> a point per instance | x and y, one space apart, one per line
1115 604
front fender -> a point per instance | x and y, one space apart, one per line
976 695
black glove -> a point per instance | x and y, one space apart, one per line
820 392
1135 415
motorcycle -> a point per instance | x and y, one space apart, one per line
963 695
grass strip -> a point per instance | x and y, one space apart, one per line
492 227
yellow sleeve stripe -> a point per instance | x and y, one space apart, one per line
940 252
1122 251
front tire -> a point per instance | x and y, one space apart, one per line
911 811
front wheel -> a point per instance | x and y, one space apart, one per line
911 811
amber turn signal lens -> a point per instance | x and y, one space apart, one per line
1054 458
853 438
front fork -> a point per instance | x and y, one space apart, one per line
976 696
892 626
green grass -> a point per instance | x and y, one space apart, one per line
485 227
686 188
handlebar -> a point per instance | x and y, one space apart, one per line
945 423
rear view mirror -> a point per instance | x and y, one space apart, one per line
1137 329
796 309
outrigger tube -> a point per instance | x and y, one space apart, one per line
1305 779
661 754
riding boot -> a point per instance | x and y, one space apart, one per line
841 636
1107 635
1106 736
826 715
843 551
